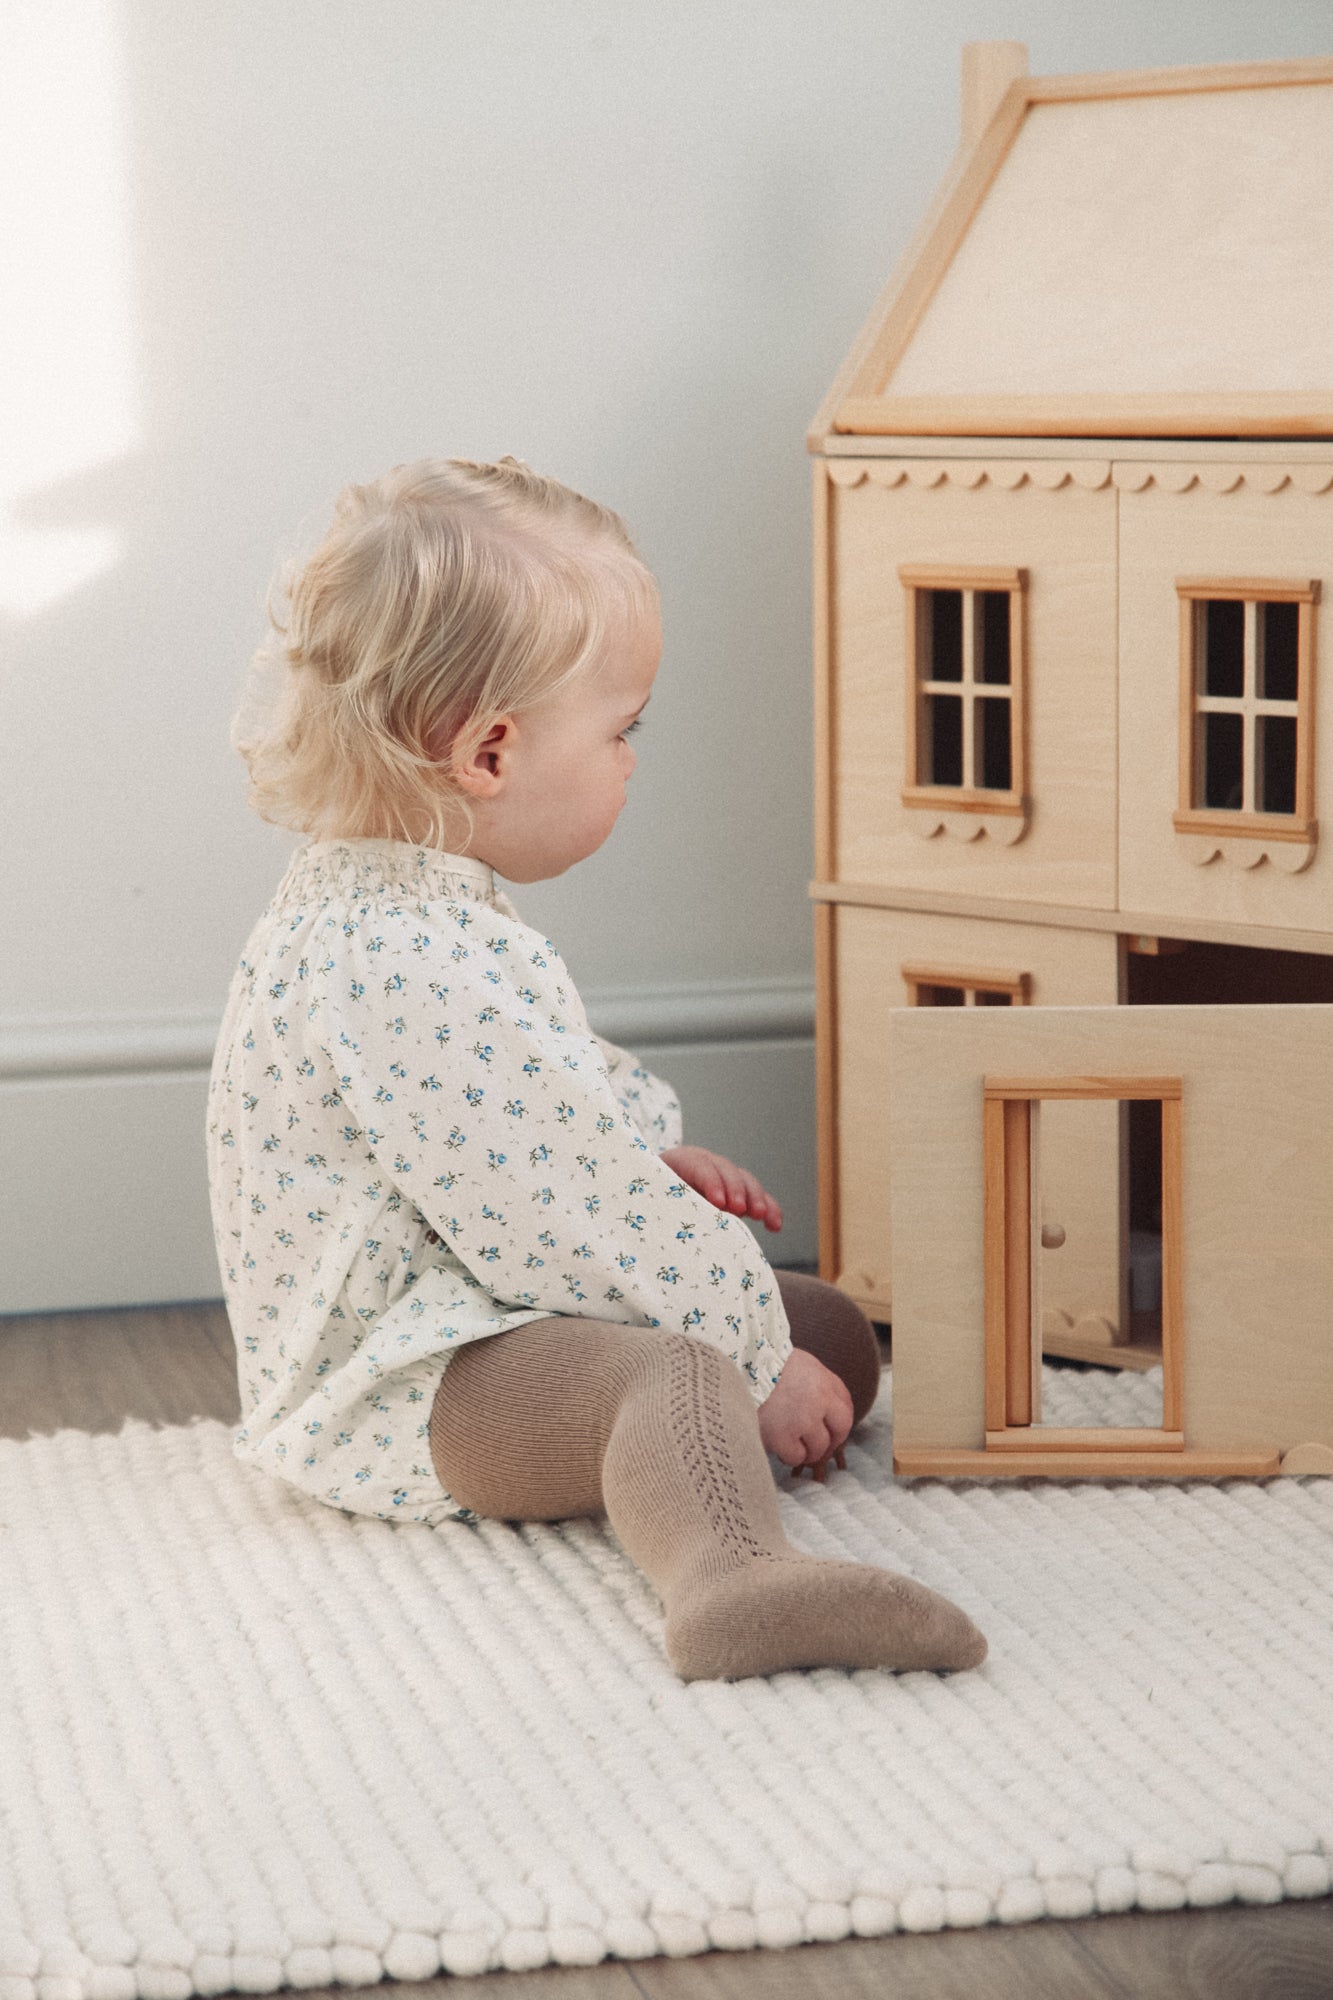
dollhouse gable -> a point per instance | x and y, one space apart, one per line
1138 254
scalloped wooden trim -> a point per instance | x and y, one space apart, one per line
1133 476
1090 474
1049 474
927 822
1238 850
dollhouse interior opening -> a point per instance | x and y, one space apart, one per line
1181 973
1097 1237
1063 1244
1141 1238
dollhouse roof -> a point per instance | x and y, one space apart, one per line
1137 254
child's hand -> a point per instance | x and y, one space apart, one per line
724 1184
808 1415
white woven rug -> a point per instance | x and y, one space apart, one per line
248 1741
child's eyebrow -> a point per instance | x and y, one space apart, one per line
641 707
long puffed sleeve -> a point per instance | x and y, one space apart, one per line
464 1060
651 1105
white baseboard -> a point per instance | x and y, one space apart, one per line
103 1190
722 1010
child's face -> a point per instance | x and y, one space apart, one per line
552 780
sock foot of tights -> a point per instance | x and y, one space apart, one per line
546 1422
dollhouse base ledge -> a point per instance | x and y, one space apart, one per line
923 1462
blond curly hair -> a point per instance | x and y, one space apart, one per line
445 594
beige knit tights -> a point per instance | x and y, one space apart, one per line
566 1417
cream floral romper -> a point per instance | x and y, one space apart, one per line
415 1140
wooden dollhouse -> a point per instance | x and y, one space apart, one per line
1073 522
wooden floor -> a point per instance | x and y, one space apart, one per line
164 1365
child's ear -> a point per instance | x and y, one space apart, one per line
480 765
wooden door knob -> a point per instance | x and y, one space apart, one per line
1052 1235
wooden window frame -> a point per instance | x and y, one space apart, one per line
918 577
1016 984
1012 1234
1193 592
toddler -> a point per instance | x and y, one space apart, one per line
470 1268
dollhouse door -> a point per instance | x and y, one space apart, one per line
1097 1230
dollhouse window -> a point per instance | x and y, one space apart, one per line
947 986
966 701
1246 707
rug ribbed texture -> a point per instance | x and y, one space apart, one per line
247 1741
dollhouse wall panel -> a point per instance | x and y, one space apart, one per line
1267 525
1257 1181
1063 968
976 516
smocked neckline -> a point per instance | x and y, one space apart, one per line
372 867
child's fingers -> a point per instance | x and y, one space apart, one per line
700 1170
818 1442
736 1188
759 1203
756 1201
788 1447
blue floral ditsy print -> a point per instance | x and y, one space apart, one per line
415 1140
